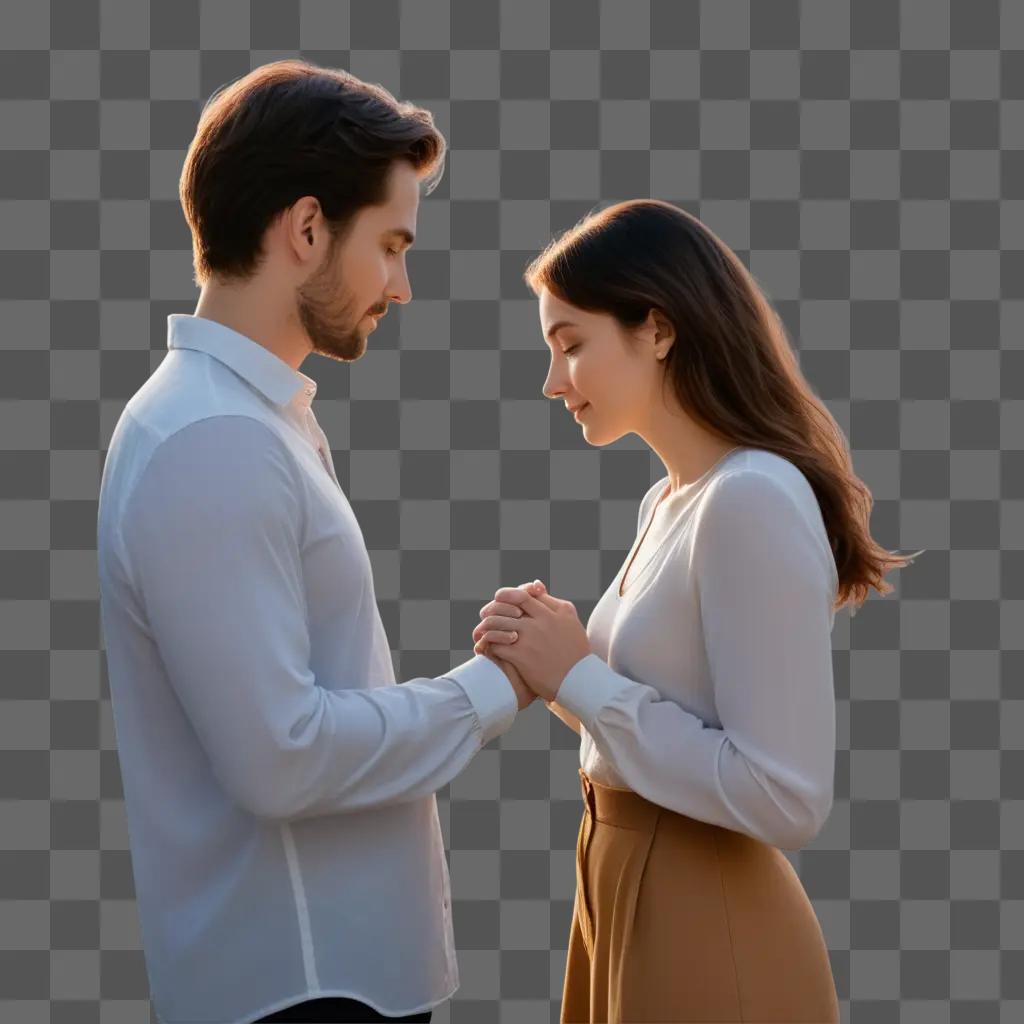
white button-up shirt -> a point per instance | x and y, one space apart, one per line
279 785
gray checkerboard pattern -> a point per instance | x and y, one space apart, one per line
865 158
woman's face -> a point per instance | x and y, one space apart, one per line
593 361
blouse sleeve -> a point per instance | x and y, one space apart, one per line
766 585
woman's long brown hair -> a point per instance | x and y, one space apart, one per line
732 367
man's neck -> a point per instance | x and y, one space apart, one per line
249 310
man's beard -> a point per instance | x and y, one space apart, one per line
334 332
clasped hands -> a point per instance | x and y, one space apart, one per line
550 640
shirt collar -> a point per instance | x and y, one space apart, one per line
252 362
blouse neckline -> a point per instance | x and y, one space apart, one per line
667 498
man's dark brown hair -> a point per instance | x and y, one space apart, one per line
290 129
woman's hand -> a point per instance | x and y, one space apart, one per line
525 695
551 638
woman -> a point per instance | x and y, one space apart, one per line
702 685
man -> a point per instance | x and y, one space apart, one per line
279 785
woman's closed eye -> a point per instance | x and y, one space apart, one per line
569 350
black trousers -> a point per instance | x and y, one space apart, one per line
337 1010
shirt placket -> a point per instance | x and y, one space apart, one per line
322 445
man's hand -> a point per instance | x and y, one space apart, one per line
524 694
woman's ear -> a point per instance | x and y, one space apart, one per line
664 334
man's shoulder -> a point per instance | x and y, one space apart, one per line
218 458
183 391
220 449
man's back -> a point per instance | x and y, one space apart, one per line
279 785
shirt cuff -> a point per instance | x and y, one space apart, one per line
589 686
489 691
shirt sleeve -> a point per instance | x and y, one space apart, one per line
213 534
766 593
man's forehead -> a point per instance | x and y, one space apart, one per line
399 205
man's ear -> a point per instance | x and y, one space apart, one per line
304 222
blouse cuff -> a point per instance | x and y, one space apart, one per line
589 686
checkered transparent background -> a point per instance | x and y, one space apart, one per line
865 158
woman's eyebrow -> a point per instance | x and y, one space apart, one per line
404 233
549 333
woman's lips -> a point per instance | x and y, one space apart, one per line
576 415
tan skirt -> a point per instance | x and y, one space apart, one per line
679 920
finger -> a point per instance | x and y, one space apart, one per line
502 651
502 622
546 599
531 586
534 587
500 608
500 636
524 599
537 588
483 647
510 595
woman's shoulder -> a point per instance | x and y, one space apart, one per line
764 502
762 495
758 472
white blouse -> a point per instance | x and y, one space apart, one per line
709 690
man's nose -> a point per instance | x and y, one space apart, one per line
401 288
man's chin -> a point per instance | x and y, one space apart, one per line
347 353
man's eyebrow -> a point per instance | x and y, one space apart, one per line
404 233
557 326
